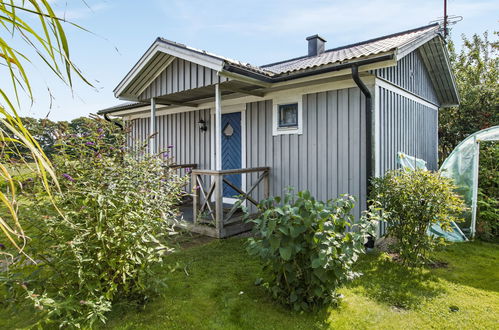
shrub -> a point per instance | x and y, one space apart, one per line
115 211
308 246
415 200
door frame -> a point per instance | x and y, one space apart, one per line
231 109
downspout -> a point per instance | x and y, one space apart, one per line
369 124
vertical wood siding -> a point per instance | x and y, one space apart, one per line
411 74
406 126
328 158
180 130
180 76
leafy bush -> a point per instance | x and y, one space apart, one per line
308 246
488 192
415 200
114 213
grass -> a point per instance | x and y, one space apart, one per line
211 286
213 289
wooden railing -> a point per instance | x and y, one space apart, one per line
184 166
184 169
208 207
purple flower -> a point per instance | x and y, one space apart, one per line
166 154
68 177
188 170
100 130
170 146
89 143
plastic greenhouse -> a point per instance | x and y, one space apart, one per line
462 166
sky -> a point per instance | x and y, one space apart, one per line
253 31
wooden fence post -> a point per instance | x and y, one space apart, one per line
195 197
266 185
219 208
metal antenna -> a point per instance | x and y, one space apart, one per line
445 19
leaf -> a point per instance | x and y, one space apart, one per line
316 263
285 252
274 242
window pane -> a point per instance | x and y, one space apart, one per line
288 115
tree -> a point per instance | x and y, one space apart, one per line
476 69
34 22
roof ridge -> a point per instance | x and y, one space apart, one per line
353 44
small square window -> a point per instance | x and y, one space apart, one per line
288 115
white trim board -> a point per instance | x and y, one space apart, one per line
377 132
347 83
236 108
393 88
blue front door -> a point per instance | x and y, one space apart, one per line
231 150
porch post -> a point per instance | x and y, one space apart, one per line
152 128
218 162
218 128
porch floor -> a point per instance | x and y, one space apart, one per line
236 226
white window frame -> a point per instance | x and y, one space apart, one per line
282 100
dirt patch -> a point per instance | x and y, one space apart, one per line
244 235
438 264
188 241
384 244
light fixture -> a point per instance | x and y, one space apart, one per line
202 125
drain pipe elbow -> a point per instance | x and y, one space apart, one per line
369 124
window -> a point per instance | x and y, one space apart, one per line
288 115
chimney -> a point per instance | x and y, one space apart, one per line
315 45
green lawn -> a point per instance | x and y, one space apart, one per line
212 288
218 292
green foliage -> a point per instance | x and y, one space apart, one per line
46 133
213 288
476 69
415 200
115 212
488 192
35 23
308 246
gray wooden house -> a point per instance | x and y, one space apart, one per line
326 121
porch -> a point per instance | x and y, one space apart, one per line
210 213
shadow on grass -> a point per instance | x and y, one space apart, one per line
391 283
473 264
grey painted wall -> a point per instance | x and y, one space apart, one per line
179 76
411 74
190 145
406 126
328 158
